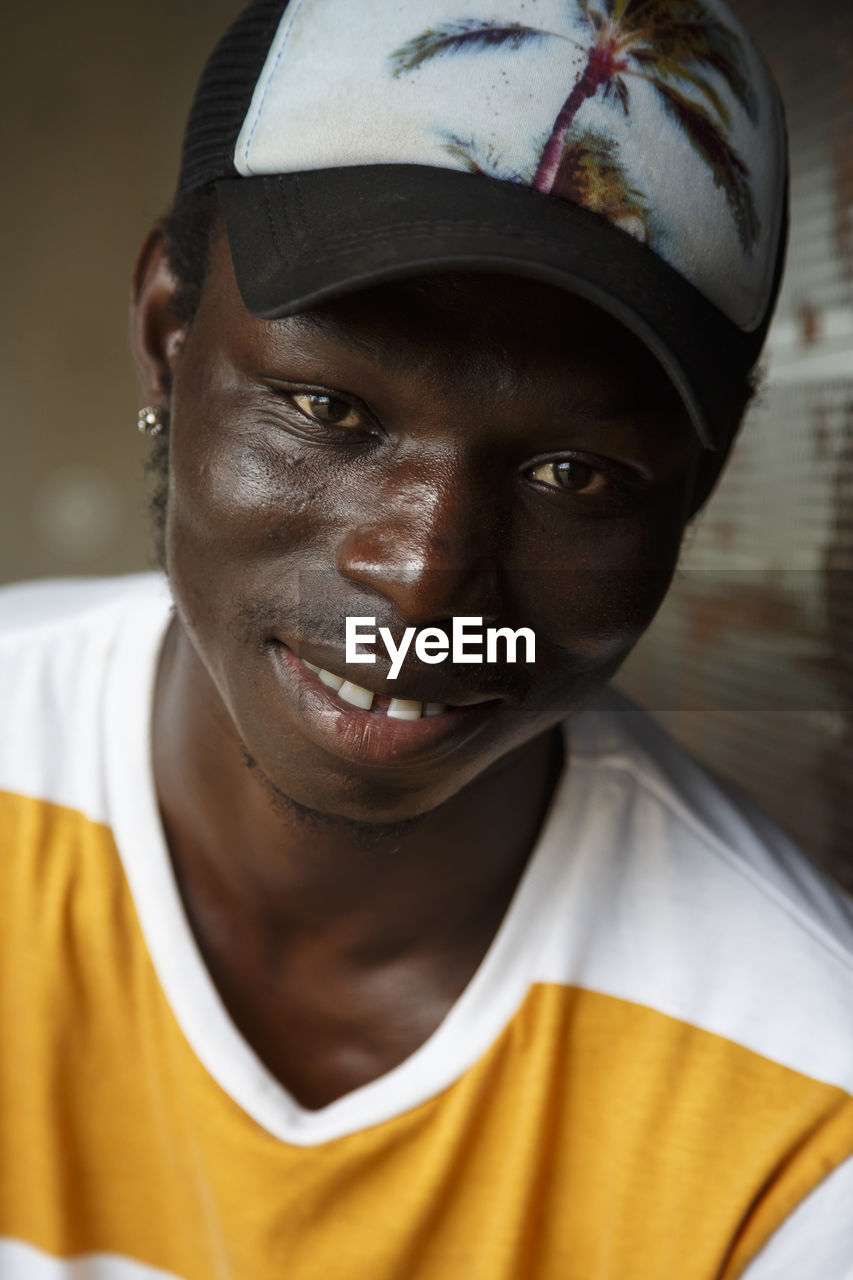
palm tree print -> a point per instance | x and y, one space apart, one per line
669 44
591 172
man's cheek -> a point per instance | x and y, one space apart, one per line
245 497
591 606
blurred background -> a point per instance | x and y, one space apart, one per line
750 662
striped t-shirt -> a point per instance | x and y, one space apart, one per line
649 1076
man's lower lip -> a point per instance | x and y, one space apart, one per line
367 736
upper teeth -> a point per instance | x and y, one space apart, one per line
357 696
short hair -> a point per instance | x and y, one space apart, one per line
189 230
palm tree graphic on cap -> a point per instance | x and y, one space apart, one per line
669 44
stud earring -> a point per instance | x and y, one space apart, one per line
150 421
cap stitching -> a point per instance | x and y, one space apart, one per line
333 243
271 220
292 17
444 228
300 205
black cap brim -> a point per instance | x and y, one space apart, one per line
300 239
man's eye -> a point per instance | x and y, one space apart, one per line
571 475
330 410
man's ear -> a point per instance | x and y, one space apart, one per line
157 333
707 473
712 463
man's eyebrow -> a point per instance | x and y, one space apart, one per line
312 324
399 354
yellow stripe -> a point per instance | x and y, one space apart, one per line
596 1140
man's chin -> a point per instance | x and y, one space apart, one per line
371 817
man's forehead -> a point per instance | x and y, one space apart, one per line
494 321
474 330
481 308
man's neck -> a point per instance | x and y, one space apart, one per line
234 837
337 947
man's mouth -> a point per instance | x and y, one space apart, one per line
356 695
375 726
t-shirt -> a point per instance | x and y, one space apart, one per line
648 1077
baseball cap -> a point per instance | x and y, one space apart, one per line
631 151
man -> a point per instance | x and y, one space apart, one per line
338 942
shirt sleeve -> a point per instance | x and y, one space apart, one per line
816 1239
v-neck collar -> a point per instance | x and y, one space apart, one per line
475 1020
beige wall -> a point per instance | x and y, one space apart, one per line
94 96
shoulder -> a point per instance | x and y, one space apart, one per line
706 910
30 609
57 641
702 820
817 1238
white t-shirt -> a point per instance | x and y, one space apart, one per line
649 1076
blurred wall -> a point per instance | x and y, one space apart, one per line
750 660
94 96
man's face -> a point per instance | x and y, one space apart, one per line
470 445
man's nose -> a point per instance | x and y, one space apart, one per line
430 546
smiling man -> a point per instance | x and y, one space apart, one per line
321 964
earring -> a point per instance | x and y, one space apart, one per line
150 421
